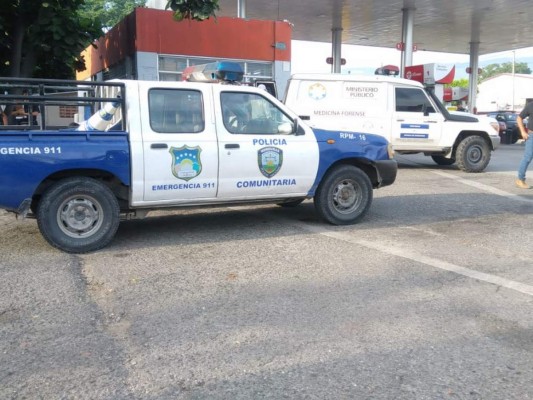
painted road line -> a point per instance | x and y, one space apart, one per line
482 186
419 258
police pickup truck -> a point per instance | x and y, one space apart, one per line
106 151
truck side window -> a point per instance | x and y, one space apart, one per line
251 113
412 100
176 111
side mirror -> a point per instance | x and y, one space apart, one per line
298 129
428 110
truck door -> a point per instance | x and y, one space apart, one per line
260 154
416 122
179 144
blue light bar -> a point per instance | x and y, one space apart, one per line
220 71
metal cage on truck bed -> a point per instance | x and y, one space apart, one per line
53 104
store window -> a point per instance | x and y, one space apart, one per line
171 67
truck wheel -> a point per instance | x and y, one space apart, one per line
344 196
441 160
473 154
78 215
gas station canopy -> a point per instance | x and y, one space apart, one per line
439 25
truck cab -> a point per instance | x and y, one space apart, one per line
249 149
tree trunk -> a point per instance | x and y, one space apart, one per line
16 53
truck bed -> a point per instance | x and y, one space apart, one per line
32 156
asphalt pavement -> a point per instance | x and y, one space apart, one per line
429 297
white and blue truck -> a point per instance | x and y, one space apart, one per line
410 116
101 152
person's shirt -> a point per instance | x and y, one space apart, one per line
30 110
526 113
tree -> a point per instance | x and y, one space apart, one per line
495 69
108 13
44 38
197 10
463 82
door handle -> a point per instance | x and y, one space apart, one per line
400 120
232 146
158 146
430 122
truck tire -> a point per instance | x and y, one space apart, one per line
441 160
473 154
78 215
344 195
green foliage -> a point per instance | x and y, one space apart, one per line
495 69
108 13
44 38
463 82
197 10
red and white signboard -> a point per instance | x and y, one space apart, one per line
401 46
455 93
415 73
431 73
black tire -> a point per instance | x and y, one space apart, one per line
473 154
515 135
78 215
344 195
441 160
290 204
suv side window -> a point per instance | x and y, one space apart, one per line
412 100
176 111
251 113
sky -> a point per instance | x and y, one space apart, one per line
311 57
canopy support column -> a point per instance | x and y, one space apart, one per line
241 8
336 43
408 19
472 82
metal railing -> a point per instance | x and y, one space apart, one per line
57 104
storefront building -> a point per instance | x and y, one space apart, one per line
150 45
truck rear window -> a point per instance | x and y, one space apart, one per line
176 111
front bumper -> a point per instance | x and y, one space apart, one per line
387 170
495 141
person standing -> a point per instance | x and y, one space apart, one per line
527 135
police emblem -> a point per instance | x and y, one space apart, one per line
270 160
186 162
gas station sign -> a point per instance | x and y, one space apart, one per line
401 46
431 74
